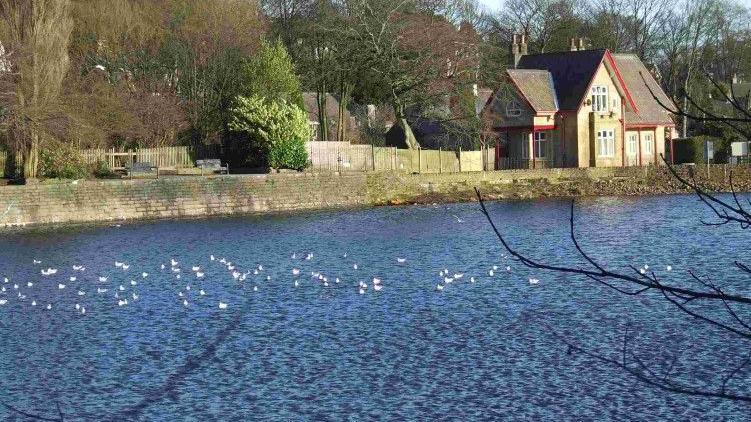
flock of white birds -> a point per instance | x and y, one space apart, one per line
124 292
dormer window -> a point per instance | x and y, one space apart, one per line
599 98
513 109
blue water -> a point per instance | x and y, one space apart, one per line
474 351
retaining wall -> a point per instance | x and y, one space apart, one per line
176 197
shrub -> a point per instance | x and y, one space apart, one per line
276 130
62 161
102 170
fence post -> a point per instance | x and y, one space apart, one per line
419 160
460 158
440 161
372 155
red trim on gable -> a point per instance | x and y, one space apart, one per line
523 128
611 60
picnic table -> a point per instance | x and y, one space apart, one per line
141 169
213 166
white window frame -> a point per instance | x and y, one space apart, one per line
606 143
648 144
632 145
540 140
513 109
600 98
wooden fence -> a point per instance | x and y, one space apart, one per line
343 156
162 157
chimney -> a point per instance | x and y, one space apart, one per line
518 48
735 78
581 44
573 45
523 45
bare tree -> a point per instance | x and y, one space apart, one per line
36 34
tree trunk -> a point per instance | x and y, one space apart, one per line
344 92
409 136
323 121
31 156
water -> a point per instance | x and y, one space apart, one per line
475 351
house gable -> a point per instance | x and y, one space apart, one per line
504 99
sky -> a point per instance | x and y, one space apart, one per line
496 4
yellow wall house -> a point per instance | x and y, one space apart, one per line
578 108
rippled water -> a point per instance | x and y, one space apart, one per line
475 351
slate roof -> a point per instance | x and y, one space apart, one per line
650 111
571 72
537 87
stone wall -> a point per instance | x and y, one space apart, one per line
99 201
176 197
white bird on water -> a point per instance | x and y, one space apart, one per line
173 262
37 262
669 268
61 286
196 269
439 287
29 284
491 273
118 264
3 302
49 306
222 305
534 281
144 275
377 287
401 260
202 293
72 279
354 266
199 275
102 279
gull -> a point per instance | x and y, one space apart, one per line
669 268
126 267
646 267
236 275
185 302
458 220
117 296
354 266
2 289
83 311
15 287
202 293
135 297
177 276
37 262
187 287
29 284
401 260
309 257
81 293
175 270
533 281
255 272
180 294
230 267
122 288
49 306
122 302
49 271
118 264
212 258
448 280
642 271
439 287
163 266
61 286
3 301
199 274
100 291
222 261
376 281
268 278
144 275
72 279
471 279
196 269
133 282
337 280
33 303
260 267
325 284
362 291
222 305
103 279
458 276
345 255
255 288
378 287
77 268
78 306
297 283
294 256
440 273
508 268
490 273
495 268
173 262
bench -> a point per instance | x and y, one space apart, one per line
212 166
141 169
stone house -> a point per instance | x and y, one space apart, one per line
578 108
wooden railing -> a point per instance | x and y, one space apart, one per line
162 157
